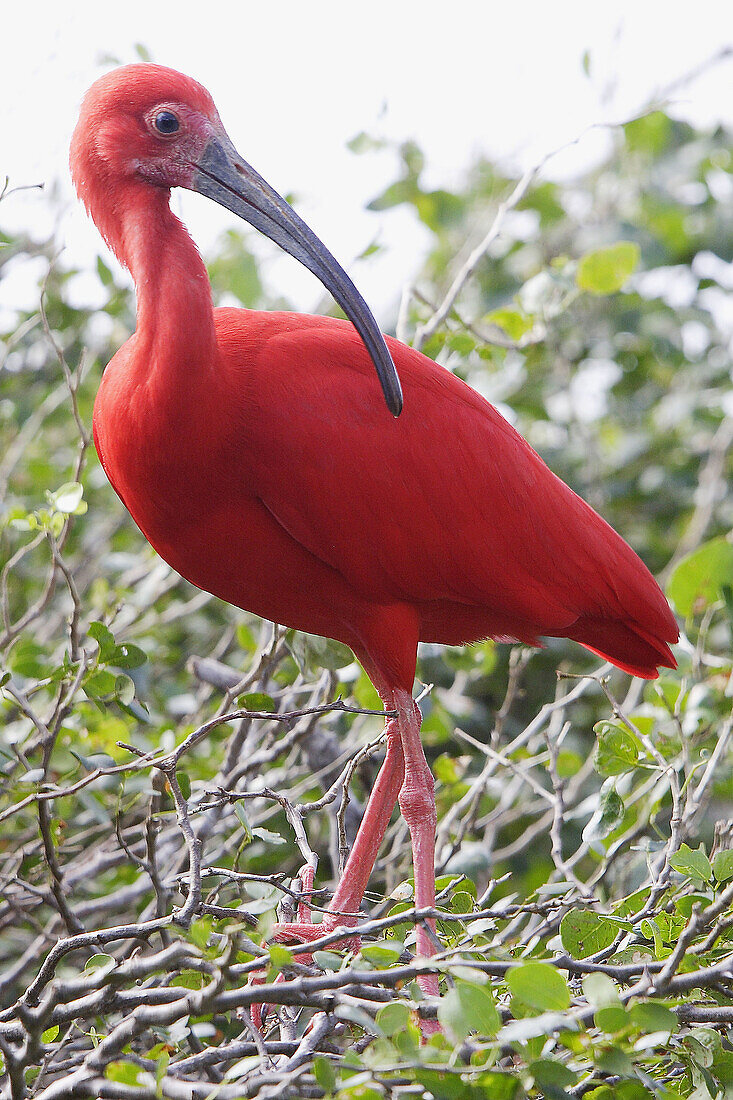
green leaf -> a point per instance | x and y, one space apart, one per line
50 1034
700 578
312 651
240 811
324 1073
723 1070
632 903
584 932
461 902
188 979
617 749
356 1015
94 962
257 701
514 322
652 1016
402 191
446 769
606 270
200 931
124 689
462 343
100 684
723 865
268 836
379 954
124 1073
607 817
27 658
364 143
127 656
552 1077
24 523
161 1066
492 1085
685 904
104 273
234 270
600 990
539 985
611 1018
468 974
393 1017
104 638
648 134
569 763
466 1008
68 498
615 1061
630 1090
664 929
280 955
361 1090
705 1044
692 862
245 638
56 524
372 249
440 1085
328 960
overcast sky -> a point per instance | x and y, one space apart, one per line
294 81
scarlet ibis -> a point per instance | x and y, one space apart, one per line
258 457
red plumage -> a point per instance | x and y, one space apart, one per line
256 454
445 515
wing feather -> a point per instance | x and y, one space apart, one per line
446 504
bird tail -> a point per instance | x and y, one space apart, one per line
627 644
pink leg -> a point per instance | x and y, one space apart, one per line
417 803
344 908
350 892
405 775
306 888
348 896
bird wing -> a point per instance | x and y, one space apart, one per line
446 503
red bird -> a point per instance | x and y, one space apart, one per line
255 453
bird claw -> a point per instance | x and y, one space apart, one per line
299 932
304 931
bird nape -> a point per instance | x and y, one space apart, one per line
258 456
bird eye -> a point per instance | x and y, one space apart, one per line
166 122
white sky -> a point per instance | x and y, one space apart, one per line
294 81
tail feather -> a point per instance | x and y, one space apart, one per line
623 614
626 644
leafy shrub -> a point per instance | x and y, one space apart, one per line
155 802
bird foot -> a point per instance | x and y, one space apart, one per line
304 931
292 933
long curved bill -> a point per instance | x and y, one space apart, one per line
222 175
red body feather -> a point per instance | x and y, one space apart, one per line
286 488
255 452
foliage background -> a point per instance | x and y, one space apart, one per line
584 885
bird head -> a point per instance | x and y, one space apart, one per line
144 126
142 123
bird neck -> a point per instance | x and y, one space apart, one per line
175 321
